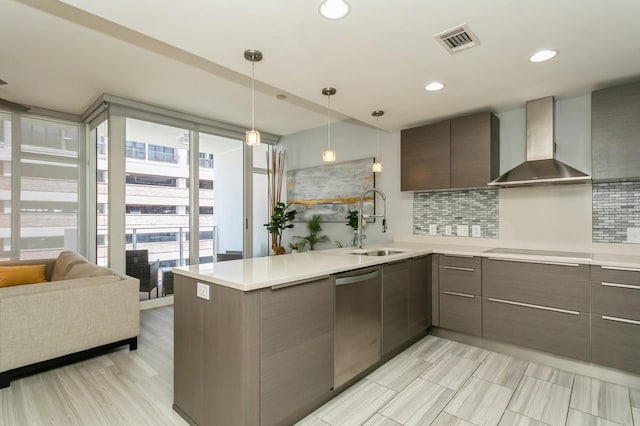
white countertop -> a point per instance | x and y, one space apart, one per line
261 272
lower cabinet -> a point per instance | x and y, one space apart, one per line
406 300
460 289
296 350
558 331
615 317
395 304
615 342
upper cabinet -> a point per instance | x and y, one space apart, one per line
615 132
459 153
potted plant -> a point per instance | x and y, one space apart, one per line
314 229
352 221
280 220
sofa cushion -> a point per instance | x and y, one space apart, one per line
65 261
87 270
22 274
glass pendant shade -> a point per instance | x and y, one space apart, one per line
328 156
377 167
252 138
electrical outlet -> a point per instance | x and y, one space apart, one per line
633 235
462 230
433 229
202 291
447 230
475 231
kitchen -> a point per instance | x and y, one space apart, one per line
559 218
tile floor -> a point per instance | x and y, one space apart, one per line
440 382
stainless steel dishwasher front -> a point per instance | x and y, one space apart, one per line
357 322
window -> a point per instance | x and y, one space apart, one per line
206 184
151 180
156 237
162 153
206 160
101 176
144 209
206 209
135 150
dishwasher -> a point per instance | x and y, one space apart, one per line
357 322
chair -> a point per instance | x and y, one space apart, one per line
138 266
167 282
229 255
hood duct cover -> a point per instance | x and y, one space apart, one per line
541 166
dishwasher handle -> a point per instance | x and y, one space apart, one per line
357 278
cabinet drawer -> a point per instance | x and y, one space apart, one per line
460 274
615 275
461 312
537 327
615 343
615 299
461 261
554 285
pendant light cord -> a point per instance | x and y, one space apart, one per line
329 121
377 137
253 96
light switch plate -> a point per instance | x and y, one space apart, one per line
462 230
202 291
447 230
475 231
433 229
633 235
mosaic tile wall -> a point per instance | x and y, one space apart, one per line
460 207
616 207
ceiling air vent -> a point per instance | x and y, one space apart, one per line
457 39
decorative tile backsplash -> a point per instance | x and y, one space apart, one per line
616 207
452 208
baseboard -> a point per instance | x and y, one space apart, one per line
572 365
156 303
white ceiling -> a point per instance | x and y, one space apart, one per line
188 56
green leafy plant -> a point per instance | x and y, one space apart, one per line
314 229
280 220
352 221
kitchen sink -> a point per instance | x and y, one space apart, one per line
384 252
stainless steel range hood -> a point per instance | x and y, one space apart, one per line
541 167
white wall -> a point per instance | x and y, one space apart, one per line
540 217
228 201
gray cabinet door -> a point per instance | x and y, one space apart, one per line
419 295
425 157
461 312
475 150
395 304
296 350
615 130
552 285
615 342
216 358
615 299
537 327
460 274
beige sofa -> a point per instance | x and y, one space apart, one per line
85 310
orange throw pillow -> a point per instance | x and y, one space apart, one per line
22 274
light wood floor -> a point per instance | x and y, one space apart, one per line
436 381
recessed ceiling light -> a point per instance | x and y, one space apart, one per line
543 55
334 9
434 87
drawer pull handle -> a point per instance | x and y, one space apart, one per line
620 268
458 255
574 265
633 287
627 321
528 305
357 278
453 293
458 268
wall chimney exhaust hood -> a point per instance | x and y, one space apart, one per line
541 166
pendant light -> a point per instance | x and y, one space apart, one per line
377 165
252 137
328 155
334 9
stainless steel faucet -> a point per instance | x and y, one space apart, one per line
363 216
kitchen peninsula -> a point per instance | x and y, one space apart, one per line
257 341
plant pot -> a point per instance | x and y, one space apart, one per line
278 250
